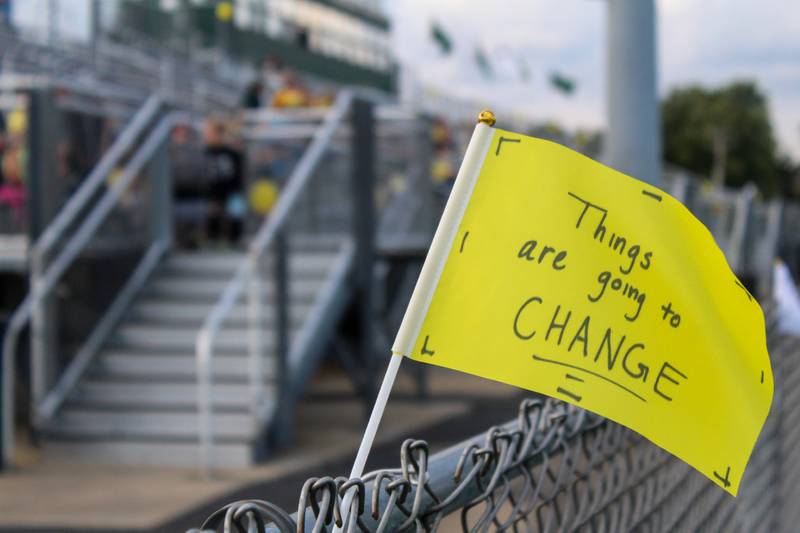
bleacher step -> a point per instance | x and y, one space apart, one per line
309 264
106 394
176 313
79 422
300 289
165 453
132 366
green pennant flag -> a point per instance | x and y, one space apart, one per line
562 83
441 38
482 61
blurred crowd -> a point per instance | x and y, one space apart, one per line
13 157
219 182
279 87
223 182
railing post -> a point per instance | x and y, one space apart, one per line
255 321
282 378
680 188
363 209
44 199
160 176
771 241
738 238
205 413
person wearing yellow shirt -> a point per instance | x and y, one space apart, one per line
291 94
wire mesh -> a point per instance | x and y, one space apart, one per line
558 468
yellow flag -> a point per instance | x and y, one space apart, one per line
554 273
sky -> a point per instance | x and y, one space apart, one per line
710 42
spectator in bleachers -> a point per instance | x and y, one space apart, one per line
443 164
2 142
227 206
292 93
272 78
13 159
253 95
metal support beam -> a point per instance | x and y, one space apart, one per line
363 185
634 131
282 345
160 178
45 194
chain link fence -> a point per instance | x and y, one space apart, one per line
558 468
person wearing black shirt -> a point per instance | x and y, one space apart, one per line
225 186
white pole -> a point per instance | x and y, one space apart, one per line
369 435
423 292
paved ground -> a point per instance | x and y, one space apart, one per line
45 496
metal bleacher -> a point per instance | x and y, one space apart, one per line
197 358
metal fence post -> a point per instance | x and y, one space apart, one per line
282 341
160 176
738 237
44 199
363 208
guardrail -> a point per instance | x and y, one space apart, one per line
123 68
247 276
557 468
89 208
345 173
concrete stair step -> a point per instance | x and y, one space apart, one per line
179 289
160 311
205 260
175 453
305 264
298 245
140 367
137 404
159 337
166 395
79 422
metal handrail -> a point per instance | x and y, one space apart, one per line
119 69
99 88
97 177
264 238
43 285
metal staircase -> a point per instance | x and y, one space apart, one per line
201 356
137 403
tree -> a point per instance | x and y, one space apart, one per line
723 133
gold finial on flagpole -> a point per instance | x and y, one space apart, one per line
486 117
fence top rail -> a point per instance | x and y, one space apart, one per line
556 467
426 488
11 81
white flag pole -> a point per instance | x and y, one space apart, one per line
423 292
